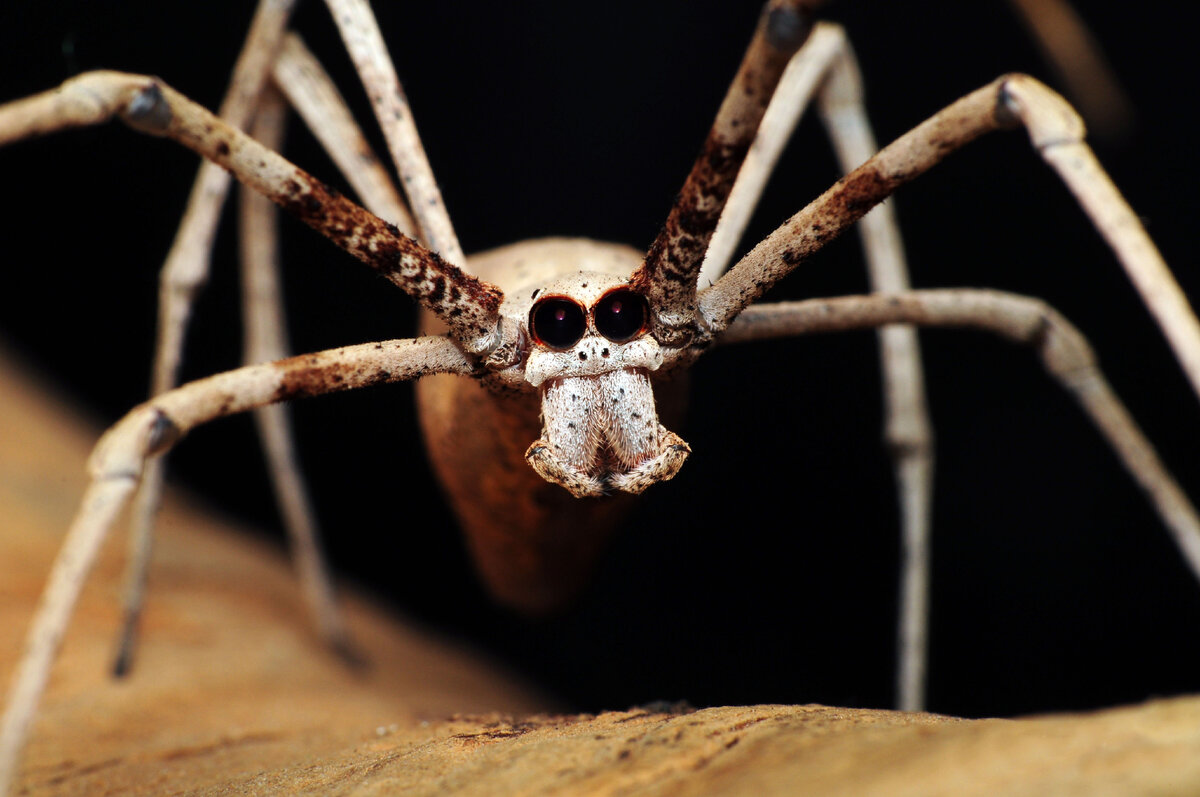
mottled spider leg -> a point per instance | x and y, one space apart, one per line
468 306
364 42
297 73
669 274
265 339
120 458
1063 350
826 68
300 77
1056 133
360 33
801 81
312 93
183 274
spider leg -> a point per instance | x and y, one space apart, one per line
1063 350
308 88
312 93
101 504
266 340
908 431
670 271
364 42
187 264
183 275
120 458
297 73
300 76
1056 133
468 305
825 67
802 80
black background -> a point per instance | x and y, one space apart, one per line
742 580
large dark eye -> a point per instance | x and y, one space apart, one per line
620 315
557 323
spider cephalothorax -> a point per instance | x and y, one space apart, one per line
591 356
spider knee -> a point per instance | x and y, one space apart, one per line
148 111
788 26
1048 118
163 434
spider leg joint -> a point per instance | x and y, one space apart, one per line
163 435
148 111
1049 118
788 25
123 450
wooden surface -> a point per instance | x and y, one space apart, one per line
232 694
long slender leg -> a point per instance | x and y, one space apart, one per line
668 276
187 264
1064 352
801 81
364 42
300 77
103 501
1056 133
148 430
908 430
183 274
825 67
120 457
266 339
469 306
137 566
312 93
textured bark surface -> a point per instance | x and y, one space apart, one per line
233 695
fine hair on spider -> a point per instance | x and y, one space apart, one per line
748 452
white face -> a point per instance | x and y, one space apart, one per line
591 356
588 324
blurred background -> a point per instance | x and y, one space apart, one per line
744 580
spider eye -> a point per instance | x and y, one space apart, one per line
620 315
557 323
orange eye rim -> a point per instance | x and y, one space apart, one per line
538 321
601 318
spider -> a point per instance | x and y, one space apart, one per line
818 523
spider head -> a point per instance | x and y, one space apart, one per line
591 356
